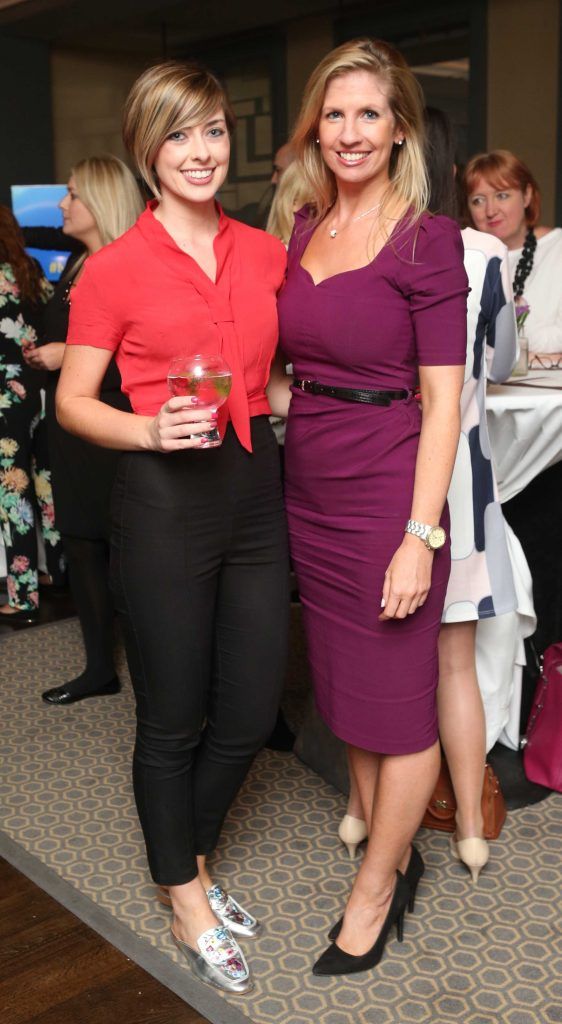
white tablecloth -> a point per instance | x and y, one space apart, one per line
525 425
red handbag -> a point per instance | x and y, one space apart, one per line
542 743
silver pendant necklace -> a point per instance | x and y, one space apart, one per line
335 231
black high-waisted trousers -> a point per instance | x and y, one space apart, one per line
199 567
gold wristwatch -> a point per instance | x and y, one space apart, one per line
433 537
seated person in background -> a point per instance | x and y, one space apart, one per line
281 161
504 199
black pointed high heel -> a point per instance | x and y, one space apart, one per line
336 961
412 874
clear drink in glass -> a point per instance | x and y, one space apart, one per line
208 379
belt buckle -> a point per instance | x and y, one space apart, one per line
303 384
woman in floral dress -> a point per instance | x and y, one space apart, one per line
25 478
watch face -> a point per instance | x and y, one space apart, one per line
437 537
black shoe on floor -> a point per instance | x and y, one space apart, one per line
19 619
282 737
64 694
335 960
412 874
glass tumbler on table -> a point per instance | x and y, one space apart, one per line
208 380
521 367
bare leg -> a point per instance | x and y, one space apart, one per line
402 790
353 828
354 804
204 876
363 769
192 913
462 724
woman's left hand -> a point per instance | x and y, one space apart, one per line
45 357
407 579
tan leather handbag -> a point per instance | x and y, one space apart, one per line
440 813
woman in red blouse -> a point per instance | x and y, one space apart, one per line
199 552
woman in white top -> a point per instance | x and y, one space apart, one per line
504 200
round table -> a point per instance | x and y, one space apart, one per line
525 427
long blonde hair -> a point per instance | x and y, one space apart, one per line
108 189
290 194
408 177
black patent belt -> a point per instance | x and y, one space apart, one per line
366 395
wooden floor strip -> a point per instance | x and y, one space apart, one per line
56 970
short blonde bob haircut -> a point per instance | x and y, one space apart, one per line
407 173
165 98
502 169
108 189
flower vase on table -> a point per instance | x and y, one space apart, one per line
522 311
207 380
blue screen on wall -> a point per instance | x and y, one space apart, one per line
52 261
37 206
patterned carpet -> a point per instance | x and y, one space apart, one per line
485 955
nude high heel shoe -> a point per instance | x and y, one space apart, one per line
473 852
352 831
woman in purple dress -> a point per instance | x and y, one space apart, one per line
375 300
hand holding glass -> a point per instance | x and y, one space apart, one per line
207 380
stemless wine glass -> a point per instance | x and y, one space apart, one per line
208 379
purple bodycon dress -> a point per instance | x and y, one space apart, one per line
350 474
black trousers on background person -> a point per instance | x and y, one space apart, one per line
88 569
201 583
83 476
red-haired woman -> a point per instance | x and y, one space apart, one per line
504 199
25 478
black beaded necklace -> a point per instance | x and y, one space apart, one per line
525 263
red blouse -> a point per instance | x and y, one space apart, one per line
146 300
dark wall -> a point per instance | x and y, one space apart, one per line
559 153
26 146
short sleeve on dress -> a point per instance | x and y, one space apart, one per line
93 320
438 289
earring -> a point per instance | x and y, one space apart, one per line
318 142
400 141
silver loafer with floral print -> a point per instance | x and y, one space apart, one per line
219 961
231 914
